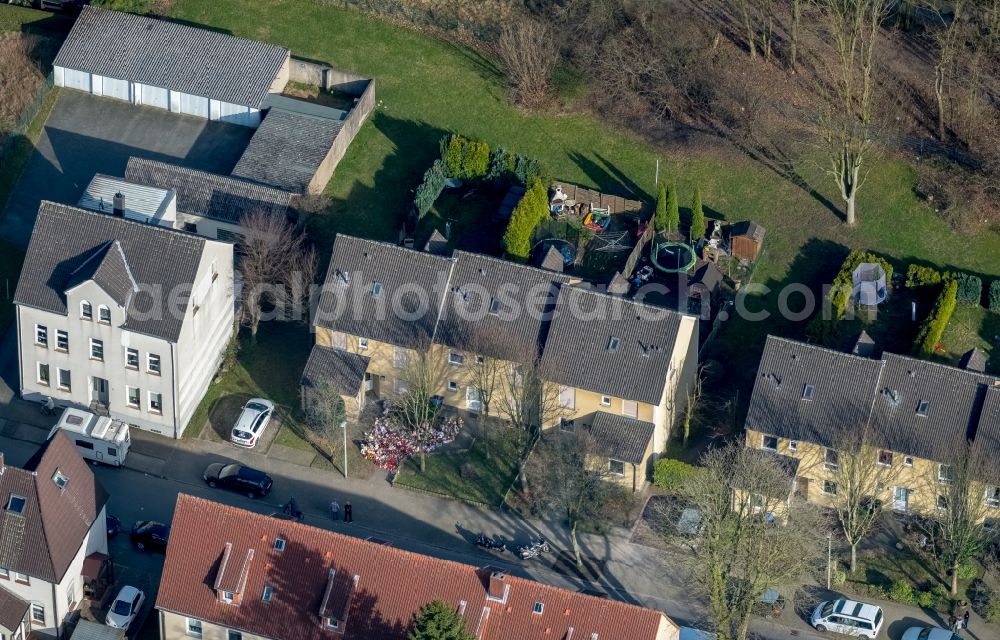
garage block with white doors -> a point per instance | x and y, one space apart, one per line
158 63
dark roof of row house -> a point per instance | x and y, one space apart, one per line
288 148
383 292
609 345
372 590
42 538
915 407
621 437
497 308
174 56
208 194
987 440
70 245
12 610
343 370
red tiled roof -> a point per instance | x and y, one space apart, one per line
391 585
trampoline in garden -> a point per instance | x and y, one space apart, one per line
565 248
672 257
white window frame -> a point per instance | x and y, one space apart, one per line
763 442
907 461
128 397
227 596
923 407
452 386
888 453
149 402
992 497
455 358
101 309
331 624
808 392
611 469
832 466
824 490
22 578
86 310
150 359
4 574
362 343
189 627
538 609
60 334
128 352
793 445
37 607
267 594
41 331
69 377
473 400
279 544
38 373
97 349
944 479
630 408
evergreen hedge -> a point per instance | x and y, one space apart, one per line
917 276
933 327
660 217
466 159
427 192
531 211
970 288
995 296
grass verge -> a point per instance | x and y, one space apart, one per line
973 327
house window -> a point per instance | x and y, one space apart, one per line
331 624
399 386
993 496
630 408
613 344
942 503
96 349
64 379
22 578
155 402
907 461
153 363
605 401
60 479
132 358
362 343
616 467
452 385
62 340
567 397
480 360
455 358
376 289
227 597
832 460
38 612
86 311
132 395
566 425
808 391
793 445
473 402
268 592
193 627
279 544
829 488
922 408
494 307
946 473
885 458
104 314
15 504
769 442
756 502
41 335
400 358
234 635
538 608
43 374
4 574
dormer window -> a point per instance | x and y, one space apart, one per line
331 624
494 307
15 504
86 310
376 289
279 544
227 597
104 314
60 479
923 407
538 608
808 391
613 344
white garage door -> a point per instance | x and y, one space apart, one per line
77 79
194 105
237 114
155 97
116 89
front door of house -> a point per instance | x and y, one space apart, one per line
99 390
901 499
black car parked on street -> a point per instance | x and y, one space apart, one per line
238 478
149 534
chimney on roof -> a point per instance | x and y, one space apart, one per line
497 587
119 208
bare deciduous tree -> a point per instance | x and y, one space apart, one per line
423 376
738 539
277 265
485 375
948 40
794 32
854 28
529 52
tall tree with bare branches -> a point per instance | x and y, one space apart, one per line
485 375
423 377
948 38
276 263
849 86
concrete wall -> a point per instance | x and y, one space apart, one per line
283 76
352 124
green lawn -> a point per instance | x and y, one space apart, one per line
23 19
485 480
427 87
972 327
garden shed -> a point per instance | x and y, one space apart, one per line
746 239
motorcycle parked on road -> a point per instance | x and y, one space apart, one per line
534 548
490 544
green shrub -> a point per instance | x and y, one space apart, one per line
993 610
475 160
970 288
838 577
673 210
918 276
902 591
967 571
501 165
660 217
926 600
670 474
995 296
453 153
697 217
427 192
526 169
843 284
528 214
933 327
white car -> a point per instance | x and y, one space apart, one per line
848 617
928 633
125 608
252 421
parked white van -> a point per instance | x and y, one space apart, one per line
848 617
98 438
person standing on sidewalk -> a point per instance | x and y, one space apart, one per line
965 620
335 509
348 516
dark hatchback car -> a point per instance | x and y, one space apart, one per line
148 534
236 477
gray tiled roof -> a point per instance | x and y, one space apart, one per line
87 630
160 260
621 437
852 391
577 350
12 609
287 149
525 295
987 438
406 310
44 538
208 194
843 386
748 228
344 370
107 267
166 54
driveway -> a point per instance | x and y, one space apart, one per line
87 134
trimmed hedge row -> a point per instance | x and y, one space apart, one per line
431 187
466 159
933 327
843 284
671 474
918 276
995 296
528 214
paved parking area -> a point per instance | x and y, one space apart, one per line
86 134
